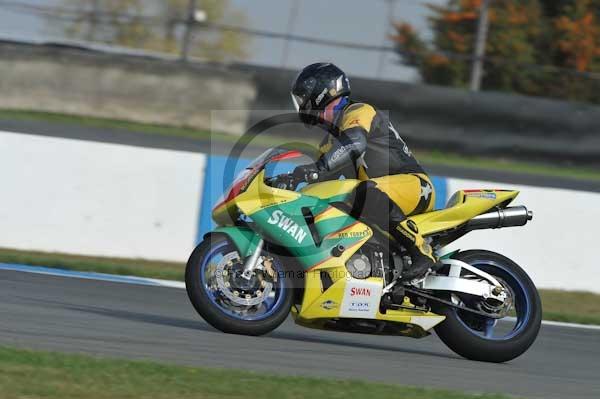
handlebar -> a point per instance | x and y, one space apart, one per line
288 181
284 181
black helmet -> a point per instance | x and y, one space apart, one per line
316 86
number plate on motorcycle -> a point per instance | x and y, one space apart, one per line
361 299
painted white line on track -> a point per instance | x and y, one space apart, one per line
113 278
570 325
561 324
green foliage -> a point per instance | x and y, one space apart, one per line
534 47
155 25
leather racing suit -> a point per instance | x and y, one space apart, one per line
364 144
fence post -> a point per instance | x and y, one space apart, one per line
189 28
91 34
390 14
291 23
480 40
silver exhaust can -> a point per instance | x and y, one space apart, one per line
508 217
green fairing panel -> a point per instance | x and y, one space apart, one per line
449 254
244 238
285 225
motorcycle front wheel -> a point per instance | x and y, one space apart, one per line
229 302
485 339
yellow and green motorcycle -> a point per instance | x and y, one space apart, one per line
282 247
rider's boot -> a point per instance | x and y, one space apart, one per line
421 253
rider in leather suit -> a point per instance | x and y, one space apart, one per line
362 143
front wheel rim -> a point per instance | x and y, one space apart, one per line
214 286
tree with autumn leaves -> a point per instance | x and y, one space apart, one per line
535 47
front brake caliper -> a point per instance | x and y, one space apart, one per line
268 264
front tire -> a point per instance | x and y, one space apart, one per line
220 310
457 330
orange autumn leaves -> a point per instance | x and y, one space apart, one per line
530 44
579 35
468 11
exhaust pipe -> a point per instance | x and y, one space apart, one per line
496 219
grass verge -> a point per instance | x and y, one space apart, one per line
123 267
571 306
29 374
566 306
426 157
88 121
136 127
508 165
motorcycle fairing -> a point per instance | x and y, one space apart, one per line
308 225
267 207
244 238
356 298
333 190
462 207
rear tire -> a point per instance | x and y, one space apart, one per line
458 337
211 312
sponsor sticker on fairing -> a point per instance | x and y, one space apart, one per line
329 305
361 298
285 223
490 195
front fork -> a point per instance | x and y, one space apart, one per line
252 260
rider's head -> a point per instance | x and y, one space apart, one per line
317 86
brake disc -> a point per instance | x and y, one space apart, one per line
225 282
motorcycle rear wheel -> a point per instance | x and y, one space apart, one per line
218 309
457 330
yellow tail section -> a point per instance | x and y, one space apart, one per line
462 207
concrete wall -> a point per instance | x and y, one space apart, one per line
83 197
144 89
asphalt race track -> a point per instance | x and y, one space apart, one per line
143 322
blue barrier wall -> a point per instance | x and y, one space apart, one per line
215 184
441 191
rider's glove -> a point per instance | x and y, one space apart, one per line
308 173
